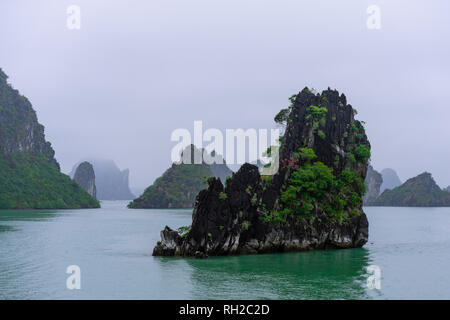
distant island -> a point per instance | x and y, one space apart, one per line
180 184
420 191
30 176
85 177
313 202
111 182
377 182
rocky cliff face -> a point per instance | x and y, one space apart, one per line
19 127
85 177
313 202
420 191
180 184
390 179
111 182
30 177
373 182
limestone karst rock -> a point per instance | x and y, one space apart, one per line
314 201
85 177
373 182
111 182
20 130
30 176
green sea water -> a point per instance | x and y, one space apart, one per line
113 245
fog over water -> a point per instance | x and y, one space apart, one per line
137 70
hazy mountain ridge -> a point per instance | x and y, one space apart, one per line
111 182
390 179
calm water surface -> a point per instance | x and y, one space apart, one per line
113 248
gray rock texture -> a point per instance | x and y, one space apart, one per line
232 219
85 177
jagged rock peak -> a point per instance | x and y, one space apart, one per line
312 202
85 177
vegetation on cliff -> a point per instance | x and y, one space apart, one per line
19 128
314 201
420 191
176 188
180 184
29 174
32 182
313 186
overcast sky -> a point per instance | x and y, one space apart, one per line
137 70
